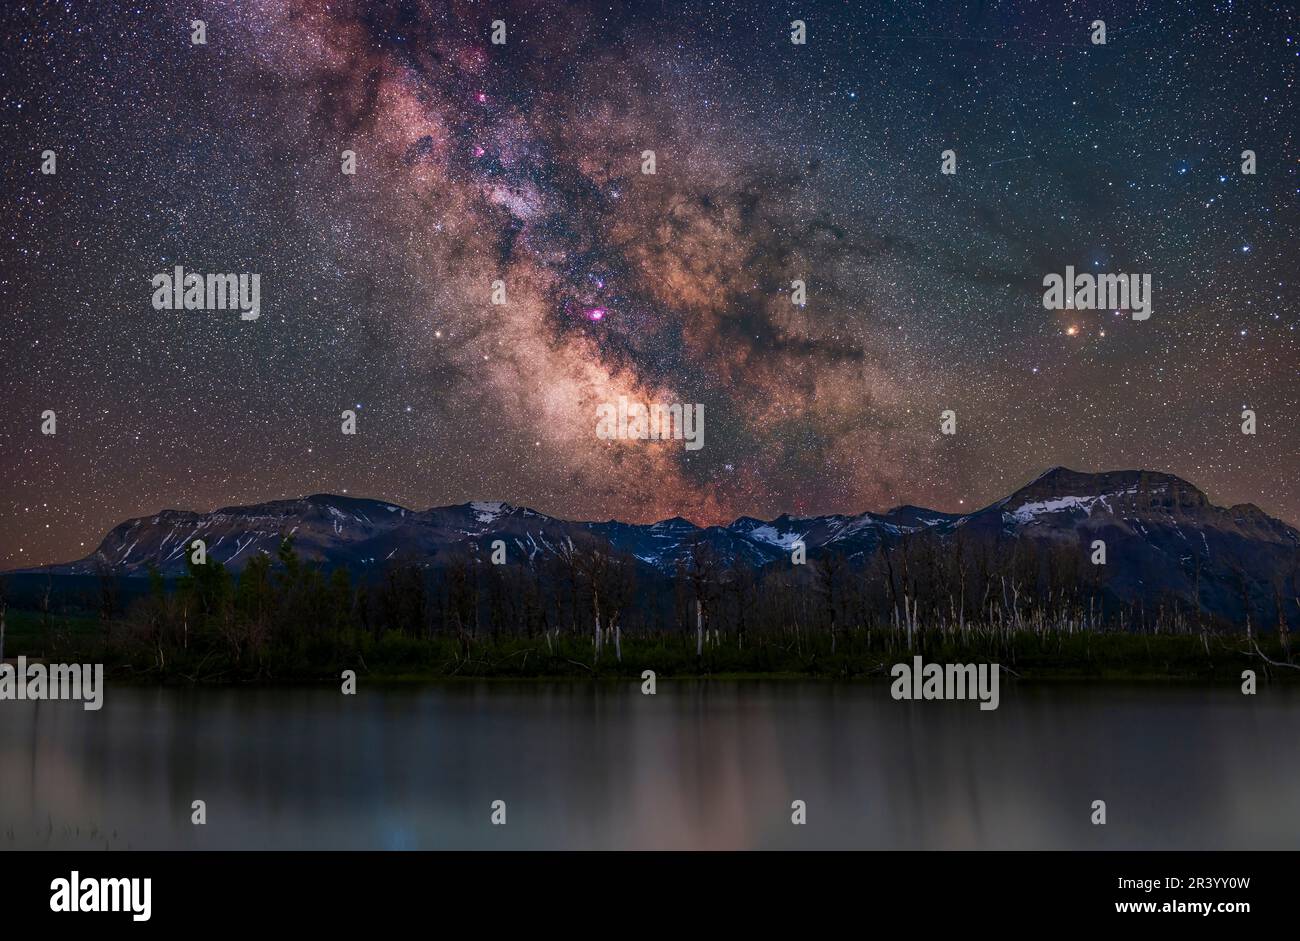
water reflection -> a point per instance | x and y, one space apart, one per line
701 765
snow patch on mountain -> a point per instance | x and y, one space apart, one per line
770 535
487 511
1029 512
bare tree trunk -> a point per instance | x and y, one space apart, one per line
46 627
699 629
1283 633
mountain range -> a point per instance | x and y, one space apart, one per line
1163 537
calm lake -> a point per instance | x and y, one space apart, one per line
701 765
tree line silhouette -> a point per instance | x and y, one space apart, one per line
579 609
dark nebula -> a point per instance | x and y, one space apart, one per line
522 163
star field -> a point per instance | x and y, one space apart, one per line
522 163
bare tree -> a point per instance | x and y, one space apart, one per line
830 576
702 570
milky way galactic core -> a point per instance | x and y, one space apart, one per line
472 225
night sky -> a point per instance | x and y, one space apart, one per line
522 162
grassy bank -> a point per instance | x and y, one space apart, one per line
323 655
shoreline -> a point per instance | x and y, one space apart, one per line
209 657
122 678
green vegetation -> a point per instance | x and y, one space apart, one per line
292 622
27 632
1052 655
